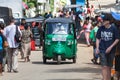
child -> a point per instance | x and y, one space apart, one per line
1 51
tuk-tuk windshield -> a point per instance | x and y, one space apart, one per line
57 28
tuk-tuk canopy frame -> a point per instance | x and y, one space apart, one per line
59 20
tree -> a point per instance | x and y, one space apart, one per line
31 3
52 5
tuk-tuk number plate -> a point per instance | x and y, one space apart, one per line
59 39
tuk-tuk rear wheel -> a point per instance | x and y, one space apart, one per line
44 59
59 59
74 59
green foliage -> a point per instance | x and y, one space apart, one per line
31 4
37 10
24 1
39 4
63 2
52 5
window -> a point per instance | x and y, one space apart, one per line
57 28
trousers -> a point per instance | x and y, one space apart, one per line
12 63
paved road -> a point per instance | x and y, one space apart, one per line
36 70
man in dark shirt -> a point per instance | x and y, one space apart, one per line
107 38
37 34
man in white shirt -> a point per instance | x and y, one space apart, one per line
9 32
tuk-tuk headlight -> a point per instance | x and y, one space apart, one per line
48 42
69 42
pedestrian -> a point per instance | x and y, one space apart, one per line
93 41
117 61
23 22
41 36
78 25
83 29
86 29
2 39
26 39
46 15
9 32
37 32
2 25
107 38
88 11
67 15
50 15
92 11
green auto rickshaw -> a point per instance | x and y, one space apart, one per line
59 40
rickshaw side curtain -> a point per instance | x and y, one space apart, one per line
115 15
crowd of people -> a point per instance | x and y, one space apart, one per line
100 32
10 47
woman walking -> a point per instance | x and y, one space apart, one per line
86 29
26 39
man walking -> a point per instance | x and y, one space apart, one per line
23 22
107 38
9 33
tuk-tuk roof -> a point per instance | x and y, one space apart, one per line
72 6
61 20
38 19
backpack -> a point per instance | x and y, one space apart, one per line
17 35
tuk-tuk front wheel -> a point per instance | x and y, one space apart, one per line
59 59
44 59
74 59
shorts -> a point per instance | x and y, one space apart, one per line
107 59
117 62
